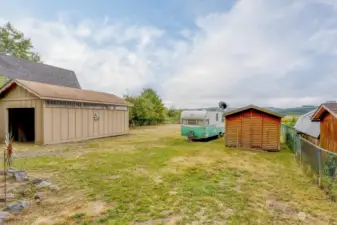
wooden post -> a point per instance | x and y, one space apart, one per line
5 179
237 137
294 133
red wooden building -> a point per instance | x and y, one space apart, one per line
327 115
253 127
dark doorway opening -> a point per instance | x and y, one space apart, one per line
21 124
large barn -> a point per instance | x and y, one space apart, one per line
50 114
253 127
327 115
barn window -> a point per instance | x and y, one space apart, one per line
122 108
55 103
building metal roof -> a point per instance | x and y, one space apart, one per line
325 107
15 68
252 107
305 125
60 93
193 114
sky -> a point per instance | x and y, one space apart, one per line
194 53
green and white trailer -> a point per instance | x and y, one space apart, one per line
200 124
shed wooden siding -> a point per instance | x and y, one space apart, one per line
253 129
328 135
71 124
20 98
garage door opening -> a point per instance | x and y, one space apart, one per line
21 124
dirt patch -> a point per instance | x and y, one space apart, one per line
92 209
87 209
280 207
191 161
171 220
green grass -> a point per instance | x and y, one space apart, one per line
155 175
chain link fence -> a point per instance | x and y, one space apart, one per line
316 161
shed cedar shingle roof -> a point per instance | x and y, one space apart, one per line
253 107
53 92
15 68
326 107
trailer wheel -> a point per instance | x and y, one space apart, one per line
190 136
220 135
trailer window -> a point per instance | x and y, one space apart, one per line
216 116
193 122
206 122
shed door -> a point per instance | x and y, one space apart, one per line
246 132
270 134
256 123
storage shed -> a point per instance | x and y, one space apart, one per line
50 114
327 115
253 127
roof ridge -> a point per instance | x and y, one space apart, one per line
251 106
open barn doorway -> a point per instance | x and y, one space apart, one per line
21 124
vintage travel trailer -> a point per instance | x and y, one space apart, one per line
199 124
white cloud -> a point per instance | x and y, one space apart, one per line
98 54
269 53
260 52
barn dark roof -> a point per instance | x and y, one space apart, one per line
15 68
253 107
326 107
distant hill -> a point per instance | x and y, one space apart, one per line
293 111
284 111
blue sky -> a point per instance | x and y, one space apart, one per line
193 52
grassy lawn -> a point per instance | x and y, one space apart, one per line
154 176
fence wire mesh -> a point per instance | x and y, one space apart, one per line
316 161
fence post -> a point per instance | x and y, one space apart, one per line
300 147
319 158
294 133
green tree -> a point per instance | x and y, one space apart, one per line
147 109
13 42
173 114
154 105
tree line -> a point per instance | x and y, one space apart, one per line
148 109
